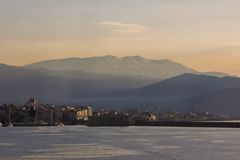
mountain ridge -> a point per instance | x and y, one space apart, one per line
182 92
128 65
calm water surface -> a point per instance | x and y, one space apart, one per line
133 143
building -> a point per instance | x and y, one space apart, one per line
30 110
84 113
3 113
150 116
31 104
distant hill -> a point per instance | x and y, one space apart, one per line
189 85
114 81
224 101
188 92
18 84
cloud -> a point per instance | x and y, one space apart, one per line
123 27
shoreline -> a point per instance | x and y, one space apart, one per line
200 124
208 124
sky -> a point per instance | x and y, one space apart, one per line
203 35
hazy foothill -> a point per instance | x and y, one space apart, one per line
121 83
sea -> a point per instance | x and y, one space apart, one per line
119 143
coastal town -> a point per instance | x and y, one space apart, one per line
34 114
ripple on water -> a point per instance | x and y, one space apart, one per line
73 151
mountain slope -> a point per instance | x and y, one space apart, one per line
189 85
122 81
17 83
186 92
224 101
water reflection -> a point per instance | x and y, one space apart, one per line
140 143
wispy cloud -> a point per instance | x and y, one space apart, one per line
123 27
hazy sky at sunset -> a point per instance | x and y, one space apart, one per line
202 34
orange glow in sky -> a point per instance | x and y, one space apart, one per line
204 35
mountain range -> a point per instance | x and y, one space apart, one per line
134 66
127 82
